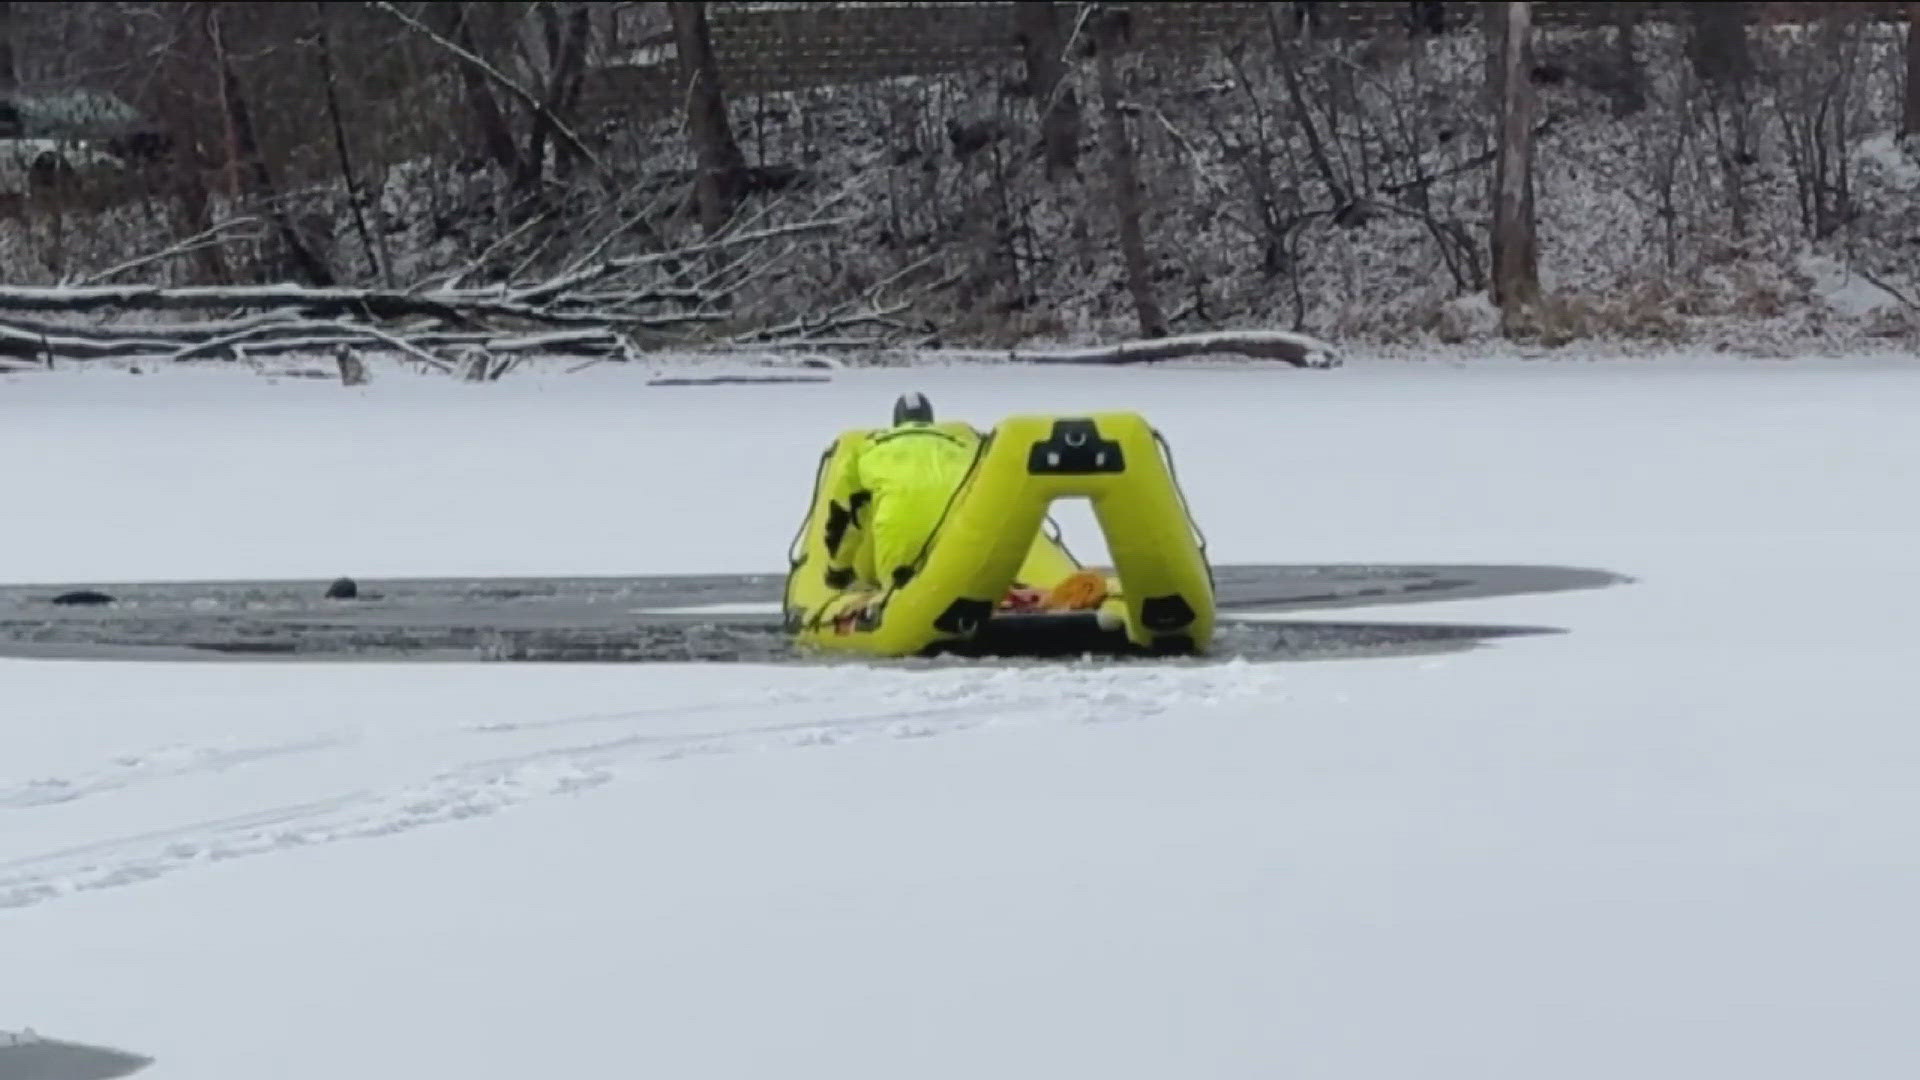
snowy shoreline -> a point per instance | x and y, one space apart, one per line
1676 832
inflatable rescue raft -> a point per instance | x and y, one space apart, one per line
996 540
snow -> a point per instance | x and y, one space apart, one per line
1468 317
1673 841
1899 163
1844 290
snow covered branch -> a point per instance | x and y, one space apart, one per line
458 306
293 336
1300 350
587 310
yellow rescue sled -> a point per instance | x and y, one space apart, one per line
996 536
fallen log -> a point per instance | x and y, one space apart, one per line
462 307
269 338
17 325
37 345
562 343
1300 350
591 307
734 380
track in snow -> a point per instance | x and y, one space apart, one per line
473 770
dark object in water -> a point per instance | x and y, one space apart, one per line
343 589
83 598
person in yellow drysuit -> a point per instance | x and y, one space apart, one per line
892 493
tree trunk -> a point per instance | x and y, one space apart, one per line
1718 53
1493 20
1630 96
250 162
9 80
1038 26
1123 175
1426 17
570 71
1910 116
489 120
355 197
566 52
1309 127
184 105
722 168
1516 282
1717 40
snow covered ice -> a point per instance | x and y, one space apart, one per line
1677 840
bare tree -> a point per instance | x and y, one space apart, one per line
565 35
1110 30
482 36
356 198
1717 40
248 161
1910 115
1815 78
1722 62
185 104
455 24
1516 278
1630 91
722 168
1038 28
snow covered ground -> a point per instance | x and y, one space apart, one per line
1678 841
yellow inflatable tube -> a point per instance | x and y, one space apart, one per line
992 536
1048 561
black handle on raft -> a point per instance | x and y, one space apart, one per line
794 555
1173 474
1075 446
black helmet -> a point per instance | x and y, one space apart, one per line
912 407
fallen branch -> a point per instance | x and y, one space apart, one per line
405 346
210 238
851 344
36 344
1300 350
803 329
564 343
586 275
873 309
590 309
458 307
733 380
1886 287
177 332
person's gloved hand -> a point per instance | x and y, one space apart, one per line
1020 598
839 577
